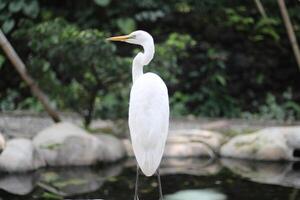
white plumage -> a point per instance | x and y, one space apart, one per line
148 106
148 121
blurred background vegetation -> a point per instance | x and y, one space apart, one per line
219 58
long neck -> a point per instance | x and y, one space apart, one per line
142 59
137 66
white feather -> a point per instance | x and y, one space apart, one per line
148 106
148 121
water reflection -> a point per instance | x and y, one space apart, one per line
60 181
205 194
189 166
78 180
284 174
118 181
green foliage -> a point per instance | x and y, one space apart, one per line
50 196
2 60
11 10
75 67
8 102
284 109
215 98
265 28
260 29
238 18
167 64
288 110
102 3
218 58
126 25
212 95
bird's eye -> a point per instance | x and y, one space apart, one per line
132 36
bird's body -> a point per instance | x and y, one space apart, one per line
148 121
148 108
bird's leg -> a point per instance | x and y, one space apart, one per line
159 185
136 183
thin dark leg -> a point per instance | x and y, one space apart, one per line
159 185
137 183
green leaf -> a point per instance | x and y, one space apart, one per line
2 60
102 3
5 15
220 79
16 6
8 25
31 9
2 4
126 25
47 195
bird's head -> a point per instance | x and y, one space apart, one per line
137 37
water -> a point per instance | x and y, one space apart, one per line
182 179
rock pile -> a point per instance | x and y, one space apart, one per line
61 144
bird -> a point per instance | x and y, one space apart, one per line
148 115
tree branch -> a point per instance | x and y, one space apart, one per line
21 69
290 30
260 8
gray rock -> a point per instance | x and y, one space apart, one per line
19 184
272 144
127 144
113 149
2 142
20 155
193 143
15 124
65 144
188 143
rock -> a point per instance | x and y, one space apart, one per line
113 149
204 194
2 142
19 184
65 144
193 143
20 155
106 126
15 123
271 144
188 149
188 143
128 148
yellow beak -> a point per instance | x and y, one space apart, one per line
122 38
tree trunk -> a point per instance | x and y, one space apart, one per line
260 8
91 106
21 69
290 31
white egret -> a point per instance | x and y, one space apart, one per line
148 108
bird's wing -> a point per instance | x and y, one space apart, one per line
149 121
